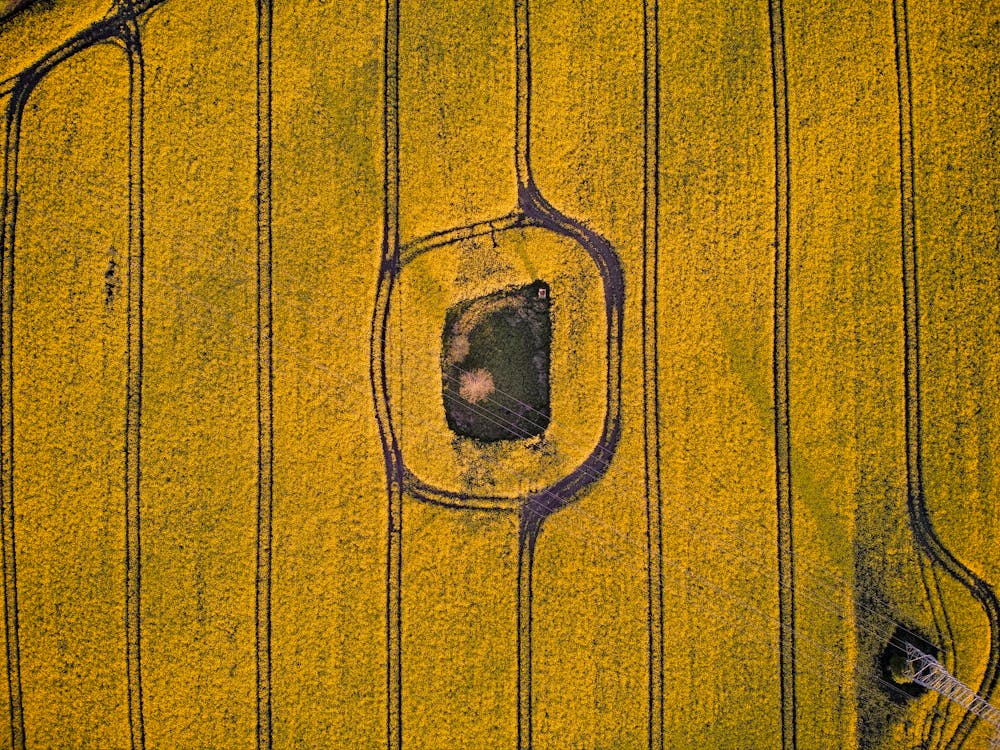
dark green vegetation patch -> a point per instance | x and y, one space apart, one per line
495 364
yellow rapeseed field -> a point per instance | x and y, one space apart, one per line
249 246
